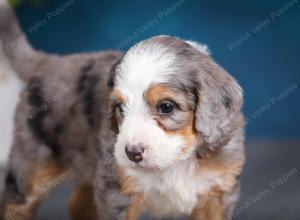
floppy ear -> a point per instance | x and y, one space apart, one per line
220 98
112 73
111 83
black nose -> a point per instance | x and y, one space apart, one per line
135 152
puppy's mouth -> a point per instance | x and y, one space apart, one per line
148 166
143 165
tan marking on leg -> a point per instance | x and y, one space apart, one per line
137 207
210 207
82 204
128 185
48 177
43 180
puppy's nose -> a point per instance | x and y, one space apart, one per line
135 152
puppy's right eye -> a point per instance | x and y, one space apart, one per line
119 109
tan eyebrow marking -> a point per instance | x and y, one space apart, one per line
116 95
156 93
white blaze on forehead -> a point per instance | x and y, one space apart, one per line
142 66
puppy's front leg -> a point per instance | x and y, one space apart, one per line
82 204
136 207
210 208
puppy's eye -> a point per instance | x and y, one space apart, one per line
120 108
166 107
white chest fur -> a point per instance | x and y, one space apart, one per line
175 191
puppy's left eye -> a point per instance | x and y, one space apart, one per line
166 107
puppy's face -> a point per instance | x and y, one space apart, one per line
155 103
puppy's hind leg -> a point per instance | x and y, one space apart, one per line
43 180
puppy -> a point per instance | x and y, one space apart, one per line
60 123
180 130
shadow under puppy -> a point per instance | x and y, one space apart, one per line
180 130
60 127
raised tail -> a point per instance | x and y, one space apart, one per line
19 52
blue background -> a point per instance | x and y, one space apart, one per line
266 63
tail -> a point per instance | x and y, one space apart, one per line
21 55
